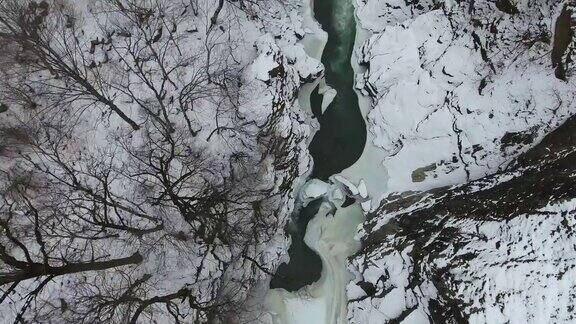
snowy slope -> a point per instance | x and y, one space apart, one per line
476 225
500 249
459 88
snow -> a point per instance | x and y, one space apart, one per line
439 115
313 44
332 236
424 78
263 63
173 263
366 206
368 170
314 189
347 185
362 190
337 195
328 94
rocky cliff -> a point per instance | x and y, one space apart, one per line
477 224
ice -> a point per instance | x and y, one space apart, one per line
366 205
418 316
332 236
362 190
369 167
329 94
337 194
348 185
325 301
315 188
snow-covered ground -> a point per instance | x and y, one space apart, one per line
452 91
245 119
459 90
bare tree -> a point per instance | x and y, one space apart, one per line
48 42
94 215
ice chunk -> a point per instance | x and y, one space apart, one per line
366 205
337 194
329 94
362 189
347 184
315 188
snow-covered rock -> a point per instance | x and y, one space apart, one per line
477 222
458 90
499 249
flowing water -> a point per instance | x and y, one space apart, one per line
338 143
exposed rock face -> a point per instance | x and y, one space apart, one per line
496 249
483 231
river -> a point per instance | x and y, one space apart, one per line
338 143
311 288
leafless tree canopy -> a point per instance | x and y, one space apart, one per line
132 189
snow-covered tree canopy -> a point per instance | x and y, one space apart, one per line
144 165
